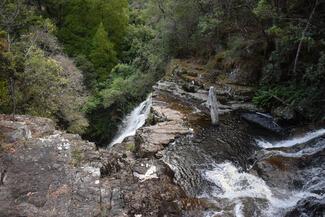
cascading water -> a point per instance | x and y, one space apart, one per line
291 142
211 172
240 188
133 121
212 165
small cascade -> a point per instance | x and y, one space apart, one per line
213 106
291 142
133 121
238 187
212 173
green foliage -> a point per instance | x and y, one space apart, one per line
131 147
306 95
116 98
4 97
45 82
121 48
315 74
263 9
275 31
268 97
41 84
16 17
102 54
82 17
123 71
88 70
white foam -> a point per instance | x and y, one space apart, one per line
234 185
239 209
291 142
301 153
133 121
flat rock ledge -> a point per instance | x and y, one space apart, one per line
152 139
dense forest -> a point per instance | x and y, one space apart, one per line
86 63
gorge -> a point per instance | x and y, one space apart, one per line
162 108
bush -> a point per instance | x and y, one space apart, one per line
268 97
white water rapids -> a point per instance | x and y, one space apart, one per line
238 186
235 186
234 191
291 142
133 121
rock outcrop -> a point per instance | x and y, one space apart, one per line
45 172
152 139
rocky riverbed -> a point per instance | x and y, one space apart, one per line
176 164
45 172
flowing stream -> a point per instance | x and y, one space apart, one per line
241 174
214 173
133 121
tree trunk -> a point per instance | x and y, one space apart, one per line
302 38
13 96
213 106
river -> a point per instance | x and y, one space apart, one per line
237 171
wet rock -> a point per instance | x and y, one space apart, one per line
263 121
308 207
59 174
200 97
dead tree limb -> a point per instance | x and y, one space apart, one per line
303 36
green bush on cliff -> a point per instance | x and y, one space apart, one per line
36 78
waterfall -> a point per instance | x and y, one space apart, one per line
133 121
292 142
213 106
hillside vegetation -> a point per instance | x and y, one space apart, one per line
86 63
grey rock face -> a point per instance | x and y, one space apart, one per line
199 98
46 172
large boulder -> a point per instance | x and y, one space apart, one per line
263 121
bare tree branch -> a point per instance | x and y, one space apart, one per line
303 36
